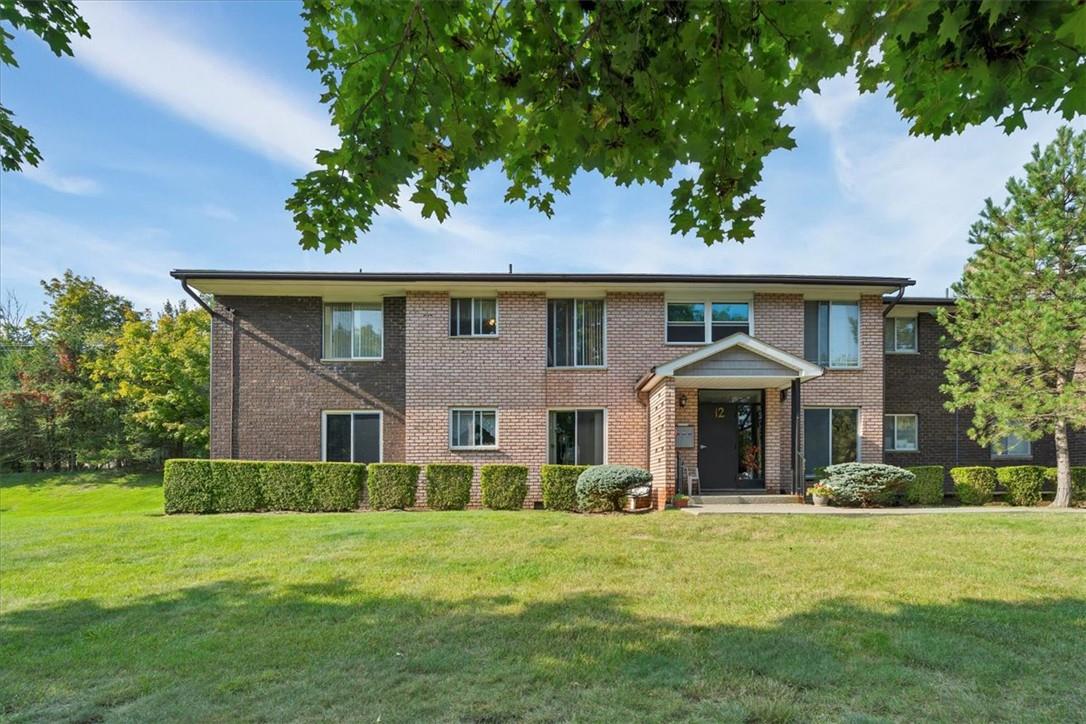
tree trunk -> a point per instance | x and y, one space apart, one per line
1063 466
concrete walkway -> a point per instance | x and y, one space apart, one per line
706 507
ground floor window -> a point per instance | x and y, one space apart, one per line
830 436
473 429
1012 446
352 437
576 437
900 432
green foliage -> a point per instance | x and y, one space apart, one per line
603 488
867 484
504 487
236 486
288 486
1023 483
974 485
54 21
187 486
336 486
1078 485
927 485
560 486
448 486
391 485
1020 318
423 94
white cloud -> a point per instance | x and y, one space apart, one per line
202 85
219 213
63 183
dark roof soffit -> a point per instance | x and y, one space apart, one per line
923 301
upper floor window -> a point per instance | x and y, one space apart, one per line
831 334
473 317
900 433
353 331
575 332
473 429
1012 446
900 334
687 322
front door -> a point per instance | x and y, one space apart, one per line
729 440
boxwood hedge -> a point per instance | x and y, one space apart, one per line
392 485
504 487
186 485
337 486
1023 483
448 485
560 486
974 485
236 486
927 487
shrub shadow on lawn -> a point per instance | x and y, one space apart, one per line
246 650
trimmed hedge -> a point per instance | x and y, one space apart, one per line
927 487
186 485
235 486
392 485
867 484
603 488
1078 483
974 485
1023 483
504 487
560 486
448 486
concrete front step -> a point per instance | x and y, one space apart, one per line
748 499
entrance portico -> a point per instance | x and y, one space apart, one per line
725 399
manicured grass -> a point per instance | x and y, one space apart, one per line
111 610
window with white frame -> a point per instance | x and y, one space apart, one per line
830 436
688 323
576 332
831 334
575 437
1012 446
900 433
352 436
473 317
900 334
353 331
473 429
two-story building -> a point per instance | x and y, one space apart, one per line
751 381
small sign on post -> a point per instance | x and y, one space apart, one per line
684 436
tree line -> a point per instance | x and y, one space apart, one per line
90 382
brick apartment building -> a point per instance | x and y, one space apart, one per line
751 381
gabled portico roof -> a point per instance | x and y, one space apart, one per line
737 361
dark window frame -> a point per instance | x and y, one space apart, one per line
325 414
476 321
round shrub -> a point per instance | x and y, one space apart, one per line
448 486
391 485
867 484
603 488
336 486
187 486
974 485
503 487
1023 483
236 485
560 486
927 486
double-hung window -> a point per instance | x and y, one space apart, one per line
900 334
688 323
473 317
473 429
900 433
575 332
576 437
831 334
352 437
353 331
1012 446
830 436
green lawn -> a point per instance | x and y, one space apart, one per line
111 610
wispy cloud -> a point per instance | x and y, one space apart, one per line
45 175
219 213
206 87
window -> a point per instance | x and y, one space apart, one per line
687 323
353 331
830 436
470 317
575 332
1012 446
900 334
900 433
352 437
576 437
831 334
472 429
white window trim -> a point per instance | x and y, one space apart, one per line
996 455
497 318
381 358
497 428
577 366
380 432
859 429
895 448
916 337
707 333
575 433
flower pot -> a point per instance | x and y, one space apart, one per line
680 502
820 500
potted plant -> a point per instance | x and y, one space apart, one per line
820 494
680 500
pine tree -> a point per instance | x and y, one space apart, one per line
1019 362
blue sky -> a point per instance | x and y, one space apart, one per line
172 137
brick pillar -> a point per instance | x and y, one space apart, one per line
662 442
775 455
